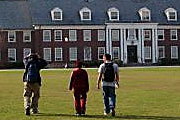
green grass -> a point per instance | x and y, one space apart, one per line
144 94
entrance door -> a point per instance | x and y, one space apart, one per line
132 54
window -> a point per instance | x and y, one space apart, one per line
161 52
27 36
131 34
101 35
115 53
174 35
160 34
113 14
147 52
46 35
101 52
145 14
174 52
56 14
85 13
12 55
87 53
87 35
115 35
147 34
72 35
58 35
58 54
73 54
171 14
47 54
26 52
11 36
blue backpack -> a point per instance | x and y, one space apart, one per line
32 73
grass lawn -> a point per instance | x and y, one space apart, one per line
144 94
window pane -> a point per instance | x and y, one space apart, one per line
145 15
114 15
72 35
27 36
26 52
161 52
73 54
147 52
86 15
147 35
132 34
173 34
46 35
172 15
58 35
115 35
11 36
87 35
47 54
101 52
101 35
58 54
57 15
116 53
174 52
12 55
160 34
87 53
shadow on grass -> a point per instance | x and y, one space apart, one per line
115 117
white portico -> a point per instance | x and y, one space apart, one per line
131 41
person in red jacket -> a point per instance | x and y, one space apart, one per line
79 84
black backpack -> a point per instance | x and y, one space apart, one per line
109 74
32 72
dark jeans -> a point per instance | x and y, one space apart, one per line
109 98
80 102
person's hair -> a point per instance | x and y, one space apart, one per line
79 64
108 56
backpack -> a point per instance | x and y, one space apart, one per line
32 73
109 74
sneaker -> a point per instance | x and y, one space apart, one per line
35 111
27 111
113 113
105 113
77 114
82 113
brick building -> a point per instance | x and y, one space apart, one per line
61 31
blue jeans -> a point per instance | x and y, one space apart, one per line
109 98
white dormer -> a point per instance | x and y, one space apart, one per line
145 14
171 14
56 14
85 13
113 14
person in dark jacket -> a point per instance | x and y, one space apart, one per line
32 86
79 84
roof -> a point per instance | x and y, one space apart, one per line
18 14
14 14
40 10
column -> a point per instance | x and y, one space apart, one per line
125 46
142 47
121 45
110 42
139 55
156 45
107 40
153 46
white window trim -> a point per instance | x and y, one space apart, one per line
29 33
162 34
163 47
98 52
60 55
118 52
150 53
14 52
99 39
75 35
117 35
24 52
14 36
176 52
45 55
113 10
70 54
85 9
44 35
55 35
56 10
86 37
150 35
85 59
134 35
141 14
167 14
176 34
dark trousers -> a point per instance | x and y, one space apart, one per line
80 102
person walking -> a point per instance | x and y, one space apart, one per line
32 82
109 74
79 84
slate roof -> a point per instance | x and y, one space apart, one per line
25 13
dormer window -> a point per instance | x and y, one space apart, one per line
145 14
171 14
56 14
113 14
85 14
